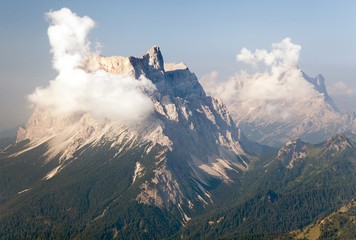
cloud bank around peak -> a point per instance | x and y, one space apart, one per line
76 90
274 81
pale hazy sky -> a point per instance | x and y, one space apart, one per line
204 34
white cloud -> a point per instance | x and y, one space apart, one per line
76 90
340 88
283 54
226 91
270 89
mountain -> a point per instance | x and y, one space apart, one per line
284 191
65 175
291 152
312 118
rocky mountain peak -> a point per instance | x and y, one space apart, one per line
318 83
155 58
338 143
171 79
292 151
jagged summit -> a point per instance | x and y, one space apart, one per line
291 152
155 57
338 144
319 85
170 79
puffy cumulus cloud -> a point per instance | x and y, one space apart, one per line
340 88
283 54
271 90
68 38
76 90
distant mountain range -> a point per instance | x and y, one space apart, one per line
187 171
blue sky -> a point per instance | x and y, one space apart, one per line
206 35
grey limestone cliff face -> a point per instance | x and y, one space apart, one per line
174 80
319 85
